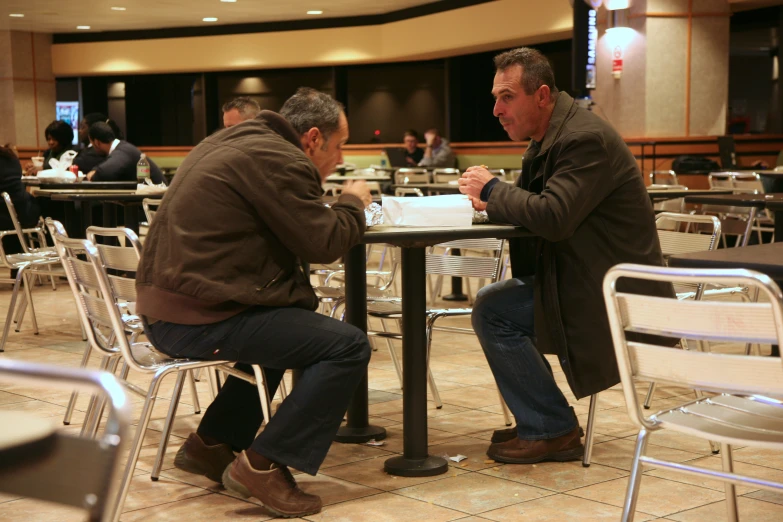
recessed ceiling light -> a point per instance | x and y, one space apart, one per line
16 15
228 1
210 19
83 27
315 12
118 9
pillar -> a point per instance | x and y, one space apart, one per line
675 74
27 88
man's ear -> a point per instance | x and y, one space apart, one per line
311 139
543 93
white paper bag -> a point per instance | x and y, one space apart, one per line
453 210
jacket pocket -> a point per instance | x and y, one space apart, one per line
276 278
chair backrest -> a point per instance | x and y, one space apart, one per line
748 182
20 232
405 176
721 180
121 259
663 177
445 175
467 264
150 207
404 191
683 233
722 321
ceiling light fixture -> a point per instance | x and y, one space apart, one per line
315 12
228 1
210 19
118 9
83 27
16 15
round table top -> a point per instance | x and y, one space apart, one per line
23 438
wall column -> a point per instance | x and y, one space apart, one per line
27 88
675 69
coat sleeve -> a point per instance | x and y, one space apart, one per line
290 204
582 177
114 166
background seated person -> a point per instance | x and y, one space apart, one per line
121 157
59 136
89 157
238 110
27 209
413 154
438 153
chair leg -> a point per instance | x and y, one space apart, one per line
589 432
632 493
213 377
504 407
194 392
197 374
92 406
283 389
29 292
75 394
164 438
141 430
650 393
731 489
263 393
11 305
20 310
100 404
392 352
433 386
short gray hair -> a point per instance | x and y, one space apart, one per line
248 108
536 69
309 108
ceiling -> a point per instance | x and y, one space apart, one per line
62 16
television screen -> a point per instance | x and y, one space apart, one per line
69 113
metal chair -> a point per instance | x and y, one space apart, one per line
663 177
487 267
405 175
740 413
669 205
408 191
445 175
77 472
150 207
99 310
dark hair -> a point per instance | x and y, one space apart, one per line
309 108
94 117
536 69
247 107
102 132
412 133
61 132
433 130
7 152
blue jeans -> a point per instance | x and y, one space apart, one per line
503 321
333 357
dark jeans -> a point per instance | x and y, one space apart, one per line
503 321
333 357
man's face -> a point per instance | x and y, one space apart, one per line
84 130
326 155
518 112
411 143
231 118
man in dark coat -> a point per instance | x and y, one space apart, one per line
581 192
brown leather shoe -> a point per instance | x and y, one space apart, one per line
275 488
518 451
508 434
197 457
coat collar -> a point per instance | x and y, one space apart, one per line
564 106
281 126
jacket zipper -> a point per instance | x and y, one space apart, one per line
275 279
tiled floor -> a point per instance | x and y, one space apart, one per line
352 482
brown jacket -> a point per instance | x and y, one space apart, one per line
244 208
583 195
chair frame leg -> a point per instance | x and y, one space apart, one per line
75 394
590 431
263 392
29 292
649 397
194 392
635 480
92 406
393 352
430 377
164 439
731 489
14 295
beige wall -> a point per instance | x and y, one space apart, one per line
27 88
470 29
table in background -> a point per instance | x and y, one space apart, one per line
32 181
663 194
336 178
129 201
415 460
774 202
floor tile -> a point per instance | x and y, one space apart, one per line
370 473
558 508
28 510
556 476
619 454
749 509
715 463
340 454
385 507
146 493
333 490
465 423
206 508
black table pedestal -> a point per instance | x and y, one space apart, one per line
358 429
456 285
415 460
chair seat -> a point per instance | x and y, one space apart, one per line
729 419
17 260
333 293
392 309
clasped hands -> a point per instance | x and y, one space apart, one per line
472 182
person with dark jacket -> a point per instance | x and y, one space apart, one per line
221 278
121 157
59 138
582 194
27 210
89 157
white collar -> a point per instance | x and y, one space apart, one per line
114 145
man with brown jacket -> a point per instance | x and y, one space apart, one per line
221 278
582 193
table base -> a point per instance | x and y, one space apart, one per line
360 435
405 467
455 297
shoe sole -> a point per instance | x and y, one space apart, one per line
185 463
232 485
501 439
560 456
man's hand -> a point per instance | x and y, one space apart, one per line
429 138
358 189
473 180
477 204
410 161
89 175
